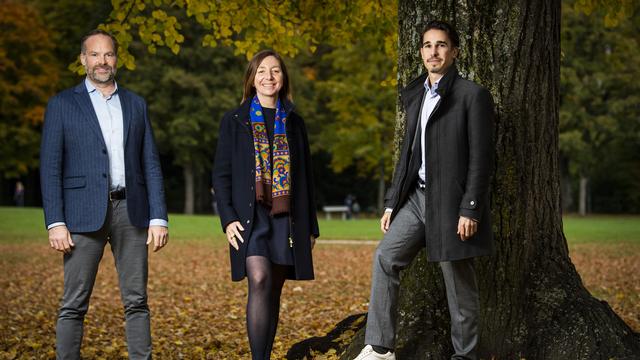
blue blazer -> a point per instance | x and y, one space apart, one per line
74 163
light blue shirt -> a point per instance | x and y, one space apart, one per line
431 98
109 113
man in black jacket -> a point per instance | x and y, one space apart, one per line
439 197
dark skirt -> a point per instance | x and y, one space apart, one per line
270 237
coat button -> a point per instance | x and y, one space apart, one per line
250 204
248 221
104 151
472 202
104 175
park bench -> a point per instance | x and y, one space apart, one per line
335 208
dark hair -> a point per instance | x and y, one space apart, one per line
444 26
91 33
250 76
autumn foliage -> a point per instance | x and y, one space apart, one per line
28 76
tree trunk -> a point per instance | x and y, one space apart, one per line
584 190
187 172
533 302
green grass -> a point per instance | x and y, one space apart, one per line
610 229
19 225
22 224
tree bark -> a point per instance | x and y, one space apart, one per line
187 172
533 302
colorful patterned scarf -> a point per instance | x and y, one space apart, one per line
273 184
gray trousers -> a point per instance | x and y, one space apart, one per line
404 239
129 248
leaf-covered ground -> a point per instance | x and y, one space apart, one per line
197 312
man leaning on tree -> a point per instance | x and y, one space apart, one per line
439 197
101 182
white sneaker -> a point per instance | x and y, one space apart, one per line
368 354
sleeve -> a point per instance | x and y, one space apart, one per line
391 196
153 172
480 136
51 163
313 214
221 175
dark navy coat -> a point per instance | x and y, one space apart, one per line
74 163
234 184
459 163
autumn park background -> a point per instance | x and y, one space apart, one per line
344 57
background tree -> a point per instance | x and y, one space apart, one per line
290 27
188 94
599 116
533 302
360 99
247 25
67 21
27 79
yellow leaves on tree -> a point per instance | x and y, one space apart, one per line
248 25
615 11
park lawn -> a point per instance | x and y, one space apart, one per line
610 229
19 225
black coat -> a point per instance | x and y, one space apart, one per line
459 163
234 184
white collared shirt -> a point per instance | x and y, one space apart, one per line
109 112
431 98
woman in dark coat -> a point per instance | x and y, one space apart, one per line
263 182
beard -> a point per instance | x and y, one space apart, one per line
436 69
102 78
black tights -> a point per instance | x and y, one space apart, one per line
263 307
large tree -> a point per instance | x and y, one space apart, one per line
533 302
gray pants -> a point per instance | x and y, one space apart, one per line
405 238
128 245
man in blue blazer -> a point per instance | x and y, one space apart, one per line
101 182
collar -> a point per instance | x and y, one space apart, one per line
433 89
91 88
416 86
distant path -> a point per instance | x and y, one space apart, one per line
349 242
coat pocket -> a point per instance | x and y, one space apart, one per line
74 182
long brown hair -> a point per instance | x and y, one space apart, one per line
252 69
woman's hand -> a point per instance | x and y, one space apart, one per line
233 234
